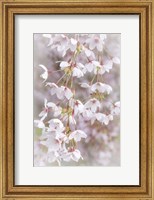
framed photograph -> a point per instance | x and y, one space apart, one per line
76 99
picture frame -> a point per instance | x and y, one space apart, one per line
8 189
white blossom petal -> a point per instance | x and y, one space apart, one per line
56 125
76 155
108 66
88 52
77 135
72 120
53 87
60 93
92 104
64 64
90 66
116 60
77 72
57 111
51 105
117 104
47 35
67 157
101 87
73 41
100 117
85 85
68 93
51 143
42 113
102 37
45 74
39 123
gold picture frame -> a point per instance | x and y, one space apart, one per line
145 10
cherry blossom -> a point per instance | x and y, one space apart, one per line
53 87
116 60
60 42
56 125
47 36
39 123
87 113
92 104
69 118
101 88
77 106
45 74
77 135
96 42
73 44
51 143
92 66
89 53
61 92
77 72
73 154
90 108
101 69
64 92
64 64
104 119
85 85
47 107
115 108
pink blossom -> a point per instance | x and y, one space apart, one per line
77 135
45 74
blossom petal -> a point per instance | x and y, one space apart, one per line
64 64
56 125
73 41
45 74
117 103
88 52
76 155
68 93
39 123
85 85
102 37
51 105
90 66
77 72
101 87
47 35
77 135
42 113
116 60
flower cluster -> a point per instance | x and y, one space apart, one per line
77 98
